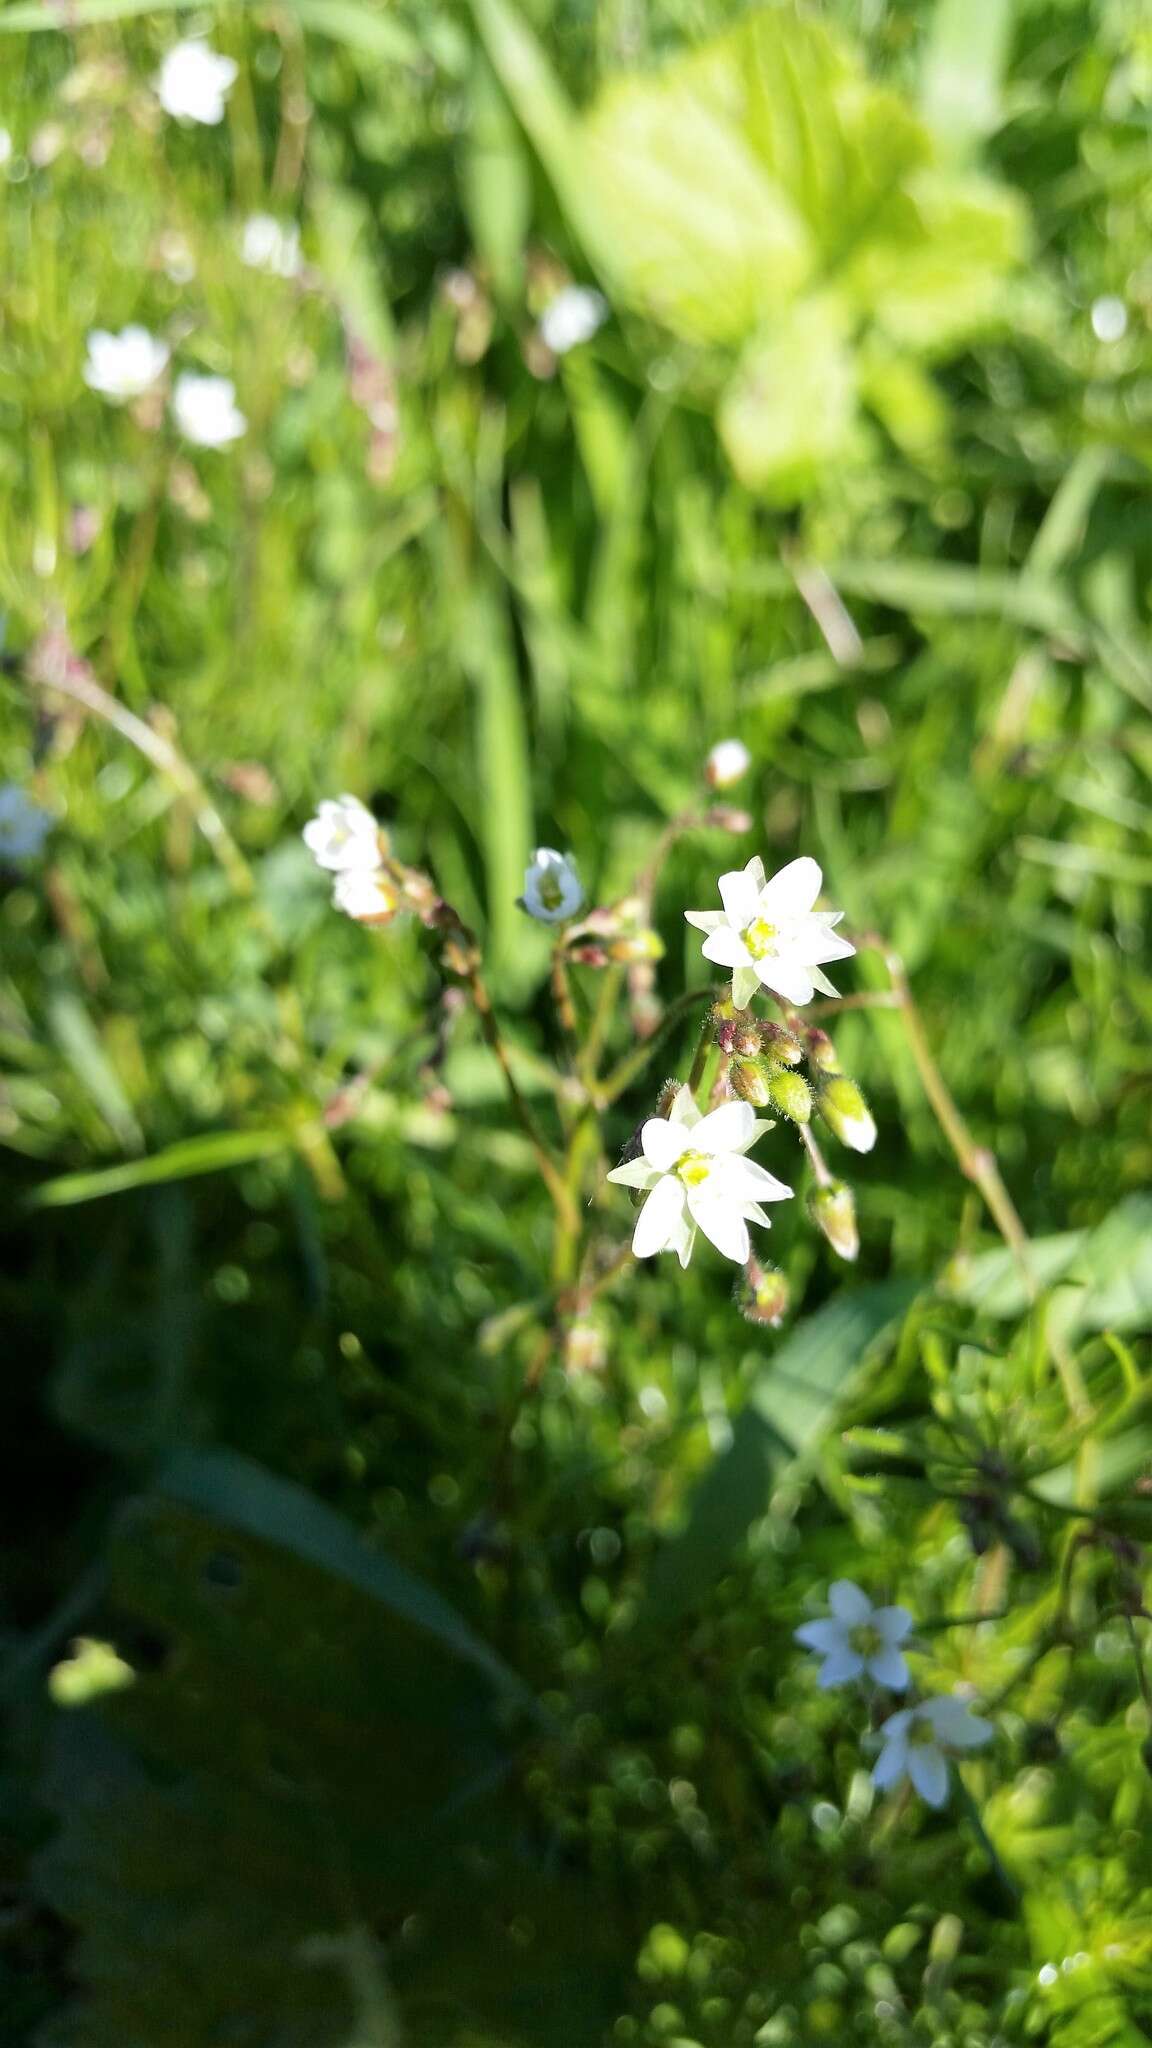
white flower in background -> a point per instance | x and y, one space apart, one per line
124 365
918 1740
365 894
5 146
572 317
552 889
193 82
272 245
343 837
770 935
696 1176
859 1640
1109 318
23 825
728 763
205 410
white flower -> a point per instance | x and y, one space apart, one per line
917 1742
343 837
23 825
571 317
193 82
695 1172
769 934
728 763
365 894
5 146
859 1640
552 888
205 410
124 365
272 245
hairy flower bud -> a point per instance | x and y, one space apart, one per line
820 1051
782 1044
791 1095
833 1211
751 1081
845 1111
762 1294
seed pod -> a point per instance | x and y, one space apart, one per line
845 1111
833 1211
762 1294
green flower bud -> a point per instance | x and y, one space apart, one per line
845 1111
833 1211
782 1045
791 1095
821 1051
762 1294
752 1082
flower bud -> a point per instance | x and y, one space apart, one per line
781 1044
845 1111
751 1081
833 1211
820 1051
725 819
728 763
762 1294
791 1095
588 956
585 1349
634 947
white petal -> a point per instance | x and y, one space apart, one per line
841 1668
928 1772
684 1109
726 948
752 1213
821 981
888 1668
895 1728
848 1602
891 1764
705 920
954 1722
635 1173
659 1219
663 1143
824 1636
722 1225
727 1129
739 893
745 982
684 1240
793 890
786 978
752 1183
892 1622
811 942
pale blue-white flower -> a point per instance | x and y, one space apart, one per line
858 1640
24 826
918 1741
553 890
770 934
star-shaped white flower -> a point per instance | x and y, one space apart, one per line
194 81
270 244
858 1640
205 410
366 894
23 825
125 365
770 935
343 837
918 1741
572 317
694 1170
553 890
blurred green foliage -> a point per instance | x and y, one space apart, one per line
413 1702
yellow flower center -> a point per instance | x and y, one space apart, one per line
866 1639
694 1168
760 938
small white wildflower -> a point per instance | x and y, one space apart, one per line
343 837
205 410
5 147
194 81
858 1640
125 365
1109 318
696 1176
572 317
270 244
552 889
918 1741
365 894
770 935
728 763
24 826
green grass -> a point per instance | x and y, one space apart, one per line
465 1708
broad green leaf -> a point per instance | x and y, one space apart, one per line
213 1153
791 1404
790 411
930 268
1105 1274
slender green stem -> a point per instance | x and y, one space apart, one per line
634 1063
